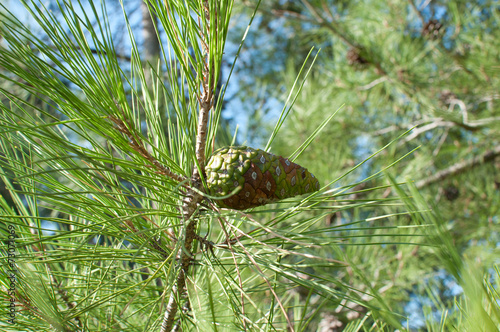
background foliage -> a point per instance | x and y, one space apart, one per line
399 92
430 66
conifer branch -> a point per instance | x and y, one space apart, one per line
460 167
207 96
139 147
193 197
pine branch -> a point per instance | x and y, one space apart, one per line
206 98
193 197
139 147
460 167
186 256
331 26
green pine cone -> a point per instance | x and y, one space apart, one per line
258 177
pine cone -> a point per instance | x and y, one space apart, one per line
432 29
258 177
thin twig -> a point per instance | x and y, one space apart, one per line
431 123
460 167
330 25
373 83
441 142
412 4
136 144
156 244
427 127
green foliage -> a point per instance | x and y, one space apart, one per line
97 158
94 147
87 164
429 68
